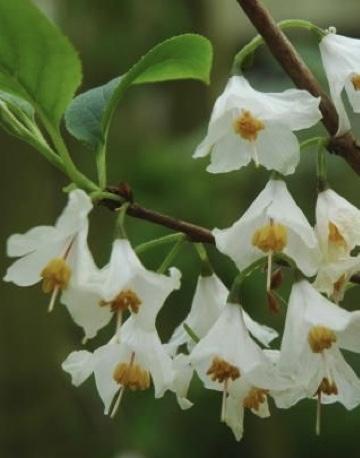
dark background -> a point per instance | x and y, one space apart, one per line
155 132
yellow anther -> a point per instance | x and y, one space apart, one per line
356 81
132 376
247 126
254 398
321 338
327 387
271 237
126 299
335 236
222 371
56 275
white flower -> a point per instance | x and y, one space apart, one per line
333 277
123 284
208 302
341 59
135 356
315 330
337 225
249 125
227 360
183 373
58 254
272 224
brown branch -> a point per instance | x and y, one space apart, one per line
285 53
194 232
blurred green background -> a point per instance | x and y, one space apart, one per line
153 137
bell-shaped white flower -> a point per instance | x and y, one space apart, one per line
57 255
272 224
250 125
208 302
341 59
315 330
227 357
135 355
337 225
332 278
123 284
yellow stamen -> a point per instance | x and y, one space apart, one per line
254 398
56 275
247 126
327 387
132 376
356 81
335 236
321 338
126 299
270 238
222 371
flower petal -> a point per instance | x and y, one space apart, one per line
80 365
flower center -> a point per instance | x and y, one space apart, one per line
321 338
222 371
327 387
254 398
247 126
271 237
126 299
56 275
356 81
132 376
335 236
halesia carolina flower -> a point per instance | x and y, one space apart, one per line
122 285
208 302
56 255
333 278
249 125
315 331
273 224
228 360
337 225
341 59
134 357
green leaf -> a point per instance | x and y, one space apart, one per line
37 63
186 56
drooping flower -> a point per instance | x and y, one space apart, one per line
56 255
273 224
249 125
337 225
122 285
228 360
208 302
315 331
341 59
135 356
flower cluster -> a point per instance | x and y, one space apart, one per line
218 340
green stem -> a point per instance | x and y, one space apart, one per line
206 267
171 255
313 141
101 166
191 333
257 41
321 169
120 232
158 242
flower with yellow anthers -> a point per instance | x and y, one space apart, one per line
208 302
341 59
56 255
315 331
250 125
123 285
227 358
272 224
135 355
